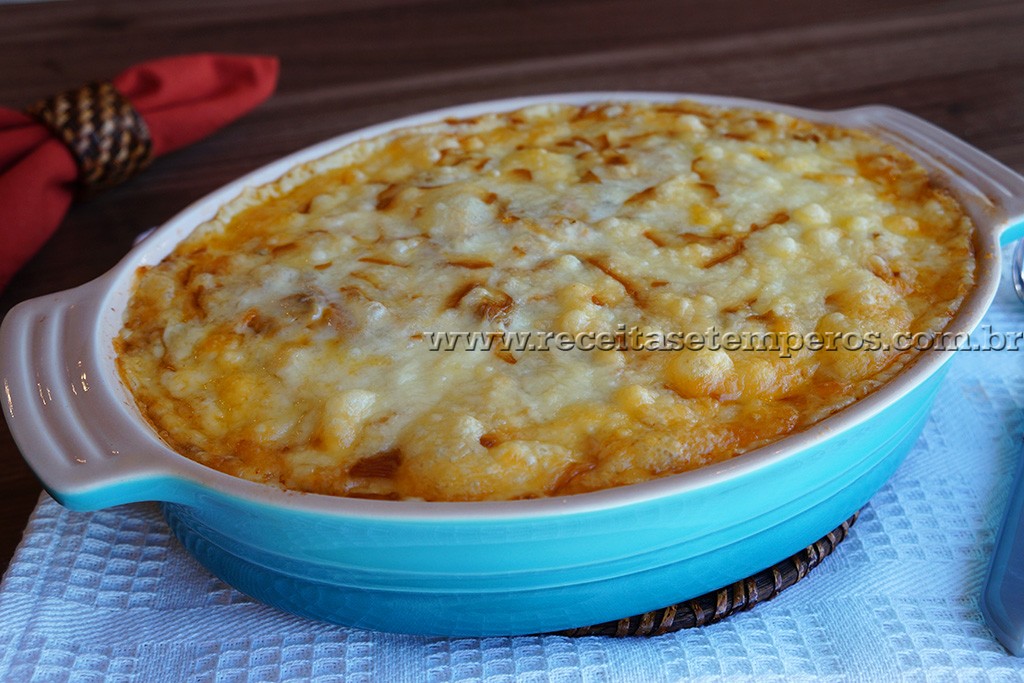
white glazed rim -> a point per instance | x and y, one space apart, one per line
991 193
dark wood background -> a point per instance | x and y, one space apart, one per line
351 63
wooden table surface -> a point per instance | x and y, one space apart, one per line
348 64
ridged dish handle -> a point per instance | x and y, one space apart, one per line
989 187
72 428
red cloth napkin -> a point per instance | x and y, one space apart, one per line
182 99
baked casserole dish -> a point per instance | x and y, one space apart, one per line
317 333
491 369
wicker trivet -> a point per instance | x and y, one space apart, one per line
107 137
717 605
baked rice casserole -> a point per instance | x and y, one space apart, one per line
549 301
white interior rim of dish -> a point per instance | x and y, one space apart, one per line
118 283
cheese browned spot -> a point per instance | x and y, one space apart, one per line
288 339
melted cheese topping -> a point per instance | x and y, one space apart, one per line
288 340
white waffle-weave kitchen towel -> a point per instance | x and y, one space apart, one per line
111 596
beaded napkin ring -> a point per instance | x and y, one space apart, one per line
106 136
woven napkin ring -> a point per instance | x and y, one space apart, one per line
107 137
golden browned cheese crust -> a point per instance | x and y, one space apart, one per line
289 340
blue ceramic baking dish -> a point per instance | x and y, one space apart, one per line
479 568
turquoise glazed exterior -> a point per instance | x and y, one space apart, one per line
536 574
473 569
